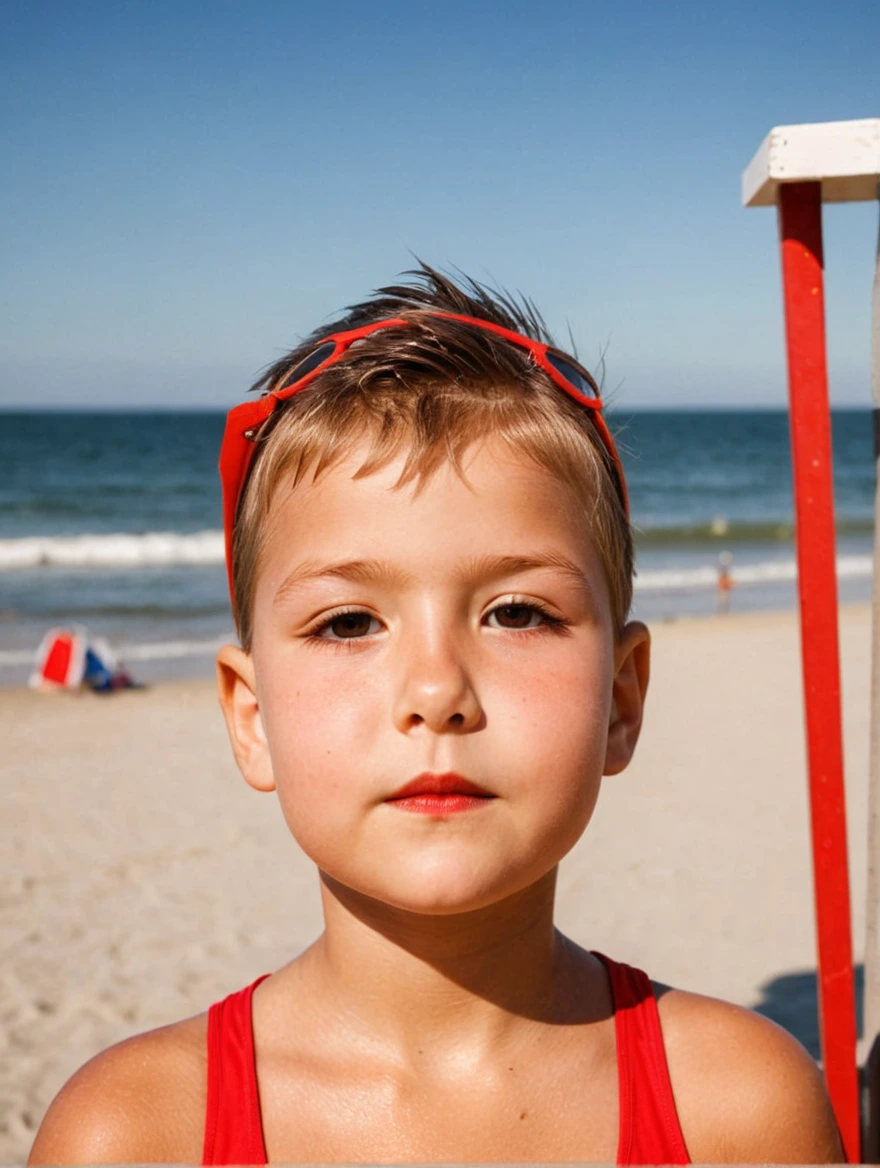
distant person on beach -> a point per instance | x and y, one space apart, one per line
726 582
431 566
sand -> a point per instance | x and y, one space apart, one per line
142 879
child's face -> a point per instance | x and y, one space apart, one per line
463 629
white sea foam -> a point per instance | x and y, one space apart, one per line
9 658
148 651
162 548
165 650
769 572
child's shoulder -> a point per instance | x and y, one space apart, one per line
746 1091
142 1100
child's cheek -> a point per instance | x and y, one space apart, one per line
321 731
568 678
556 712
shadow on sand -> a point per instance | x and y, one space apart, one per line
790 1000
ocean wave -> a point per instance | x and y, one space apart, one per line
159 548
147 651
769 572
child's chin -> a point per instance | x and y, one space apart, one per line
445 906
444 894
442 882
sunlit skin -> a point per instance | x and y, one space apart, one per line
465 628
461 629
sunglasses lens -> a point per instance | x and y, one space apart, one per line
572 375
308 364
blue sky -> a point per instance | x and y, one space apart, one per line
190 186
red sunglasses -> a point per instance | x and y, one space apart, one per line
245 421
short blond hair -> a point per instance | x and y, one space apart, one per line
429 391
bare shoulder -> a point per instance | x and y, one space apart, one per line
142 1100
746 1091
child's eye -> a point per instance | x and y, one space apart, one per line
520 616
347 626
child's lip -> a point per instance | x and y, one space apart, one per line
445 784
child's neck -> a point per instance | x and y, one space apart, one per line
429 980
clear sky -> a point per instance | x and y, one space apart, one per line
190 185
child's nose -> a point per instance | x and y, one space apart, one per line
436 690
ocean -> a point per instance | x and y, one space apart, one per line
112 521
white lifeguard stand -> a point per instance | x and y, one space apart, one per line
796 169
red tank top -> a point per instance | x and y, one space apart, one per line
649 1131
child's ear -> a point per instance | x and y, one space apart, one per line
237 690
632 667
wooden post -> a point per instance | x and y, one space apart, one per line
797 168
871 1141
800 220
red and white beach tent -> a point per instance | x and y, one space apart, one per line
61 660
796 169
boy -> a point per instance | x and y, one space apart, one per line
430 560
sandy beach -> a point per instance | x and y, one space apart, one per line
143 879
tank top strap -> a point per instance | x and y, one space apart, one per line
233 1126
649 1131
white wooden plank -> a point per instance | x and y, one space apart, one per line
843 156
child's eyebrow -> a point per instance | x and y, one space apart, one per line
358 571
482 568
495 567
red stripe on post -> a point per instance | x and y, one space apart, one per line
800 221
